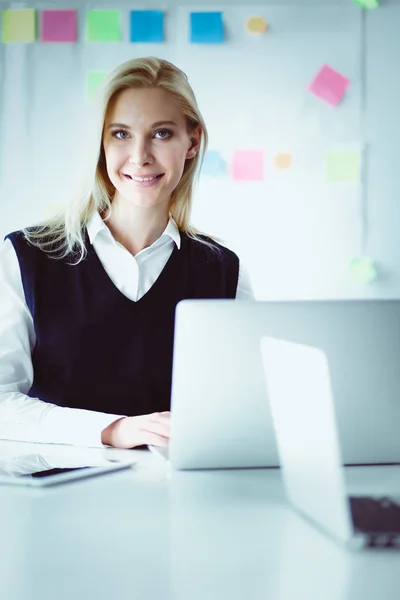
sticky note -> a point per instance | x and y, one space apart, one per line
93 80
370 4
103 26
248 165
362 270
329 85
18 25
206 28
256 25
343 166
213 163
58 26
147 26
283 161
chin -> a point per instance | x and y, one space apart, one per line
146 202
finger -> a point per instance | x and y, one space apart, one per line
152 439
158 428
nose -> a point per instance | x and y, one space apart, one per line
140 153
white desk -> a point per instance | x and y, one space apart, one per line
150 534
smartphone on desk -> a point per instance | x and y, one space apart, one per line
37 470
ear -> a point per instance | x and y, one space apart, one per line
195 139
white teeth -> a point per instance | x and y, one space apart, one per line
143 178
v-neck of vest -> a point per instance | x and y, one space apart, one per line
158 282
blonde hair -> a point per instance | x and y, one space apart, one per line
62 235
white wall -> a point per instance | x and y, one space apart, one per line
295 233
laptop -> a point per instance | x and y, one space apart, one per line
221 415
298 380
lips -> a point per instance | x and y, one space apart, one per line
142 178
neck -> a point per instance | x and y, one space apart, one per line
135 227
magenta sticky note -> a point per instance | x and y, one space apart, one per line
248 165
329 85
58 26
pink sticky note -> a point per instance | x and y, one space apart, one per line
329 85
58 26
247 165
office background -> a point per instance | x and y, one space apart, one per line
296 215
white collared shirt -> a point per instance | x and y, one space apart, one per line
30 419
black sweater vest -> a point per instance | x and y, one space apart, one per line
95 348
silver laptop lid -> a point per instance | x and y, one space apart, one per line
220 415
300 394
218 381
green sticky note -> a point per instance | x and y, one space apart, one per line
362 270
368 3
343 166
18 25
93 80
103 26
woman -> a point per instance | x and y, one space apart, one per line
87 299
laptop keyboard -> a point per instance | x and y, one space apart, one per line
379 518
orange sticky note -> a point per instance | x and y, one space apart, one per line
248 165
283 161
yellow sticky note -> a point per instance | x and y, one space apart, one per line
93 80
18 25
343 166
256 25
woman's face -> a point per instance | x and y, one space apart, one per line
146 144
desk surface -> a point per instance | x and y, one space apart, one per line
150 533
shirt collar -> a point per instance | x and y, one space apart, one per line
172 231
95 225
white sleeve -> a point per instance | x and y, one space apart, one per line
244 288
21 417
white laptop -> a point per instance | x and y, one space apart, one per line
299 387
221 415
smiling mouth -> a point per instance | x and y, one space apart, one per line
142 179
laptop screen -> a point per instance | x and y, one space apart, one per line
300 395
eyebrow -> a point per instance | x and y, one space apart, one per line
156 124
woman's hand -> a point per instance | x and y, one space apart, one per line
129 432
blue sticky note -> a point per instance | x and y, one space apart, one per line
213 163
147 26
206 28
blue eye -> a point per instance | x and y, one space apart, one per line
120 134
165 134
